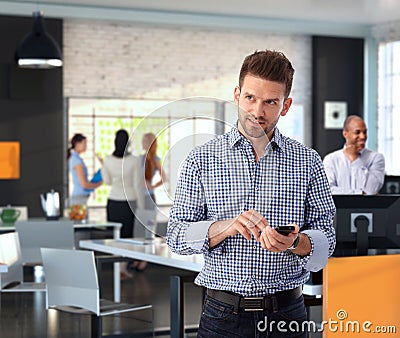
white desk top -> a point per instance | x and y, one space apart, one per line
157 252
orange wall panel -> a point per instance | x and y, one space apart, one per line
9 160
361 296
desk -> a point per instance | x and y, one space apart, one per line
158 253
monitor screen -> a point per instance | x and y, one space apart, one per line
366 223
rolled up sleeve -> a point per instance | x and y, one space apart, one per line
319 254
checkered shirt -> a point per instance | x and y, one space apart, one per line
221 179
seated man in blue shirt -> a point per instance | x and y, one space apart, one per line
355 169
232 194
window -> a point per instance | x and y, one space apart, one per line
389 105
180 126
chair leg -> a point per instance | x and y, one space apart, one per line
152 322
97 328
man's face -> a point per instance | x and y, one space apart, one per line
356 134
261 103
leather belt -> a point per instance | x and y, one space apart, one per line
269 302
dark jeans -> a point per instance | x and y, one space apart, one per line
219 321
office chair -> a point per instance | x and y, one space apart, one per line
34 235
10 254
73 287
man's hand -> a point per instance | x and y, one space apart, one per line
272 240
247 223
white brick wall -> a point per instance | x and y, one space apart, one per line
126 60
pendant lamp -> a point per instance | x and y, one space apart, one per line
38 49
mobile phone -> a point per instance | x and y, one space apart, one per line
285 229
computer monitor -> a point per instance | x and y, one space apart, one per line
391 185
366 224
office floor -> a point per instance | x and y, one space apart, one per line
23 315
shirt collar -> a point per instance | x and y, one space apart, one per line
277 139
360 152
236 138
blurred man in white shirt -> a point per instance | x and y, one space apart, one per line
355 169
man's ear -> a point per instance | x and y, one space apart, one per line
236 94
286 106
344 133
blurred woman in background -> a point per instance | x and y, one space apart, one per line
152 165
122 171
81 185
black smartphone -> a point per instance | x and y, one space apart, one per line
285 229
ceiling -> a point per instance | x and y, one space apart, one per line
366 12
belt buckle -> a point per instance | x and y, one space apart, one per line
253 303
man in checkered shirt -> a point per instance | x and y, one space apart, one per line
232 194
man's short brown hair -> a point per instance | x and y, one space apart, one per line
268 65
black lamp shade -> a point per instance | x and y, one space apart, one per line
38 49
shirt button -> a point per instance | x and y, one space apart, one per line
253 276
254 247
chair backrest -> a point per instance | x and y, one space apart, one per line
71 279
10 254
34 235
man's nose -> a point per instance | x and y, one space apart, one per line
258 109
